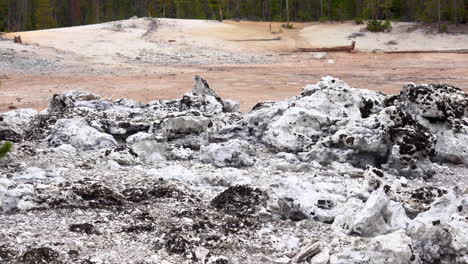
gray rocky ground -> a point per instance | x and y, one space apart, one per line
333 175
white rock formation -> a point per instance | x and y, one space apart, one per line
375 178
79 134
234 153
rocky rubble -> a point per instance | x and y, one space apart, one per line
334 175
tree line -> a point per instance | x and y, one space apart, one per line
20 15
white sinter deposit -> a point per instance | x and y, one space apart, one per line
333 175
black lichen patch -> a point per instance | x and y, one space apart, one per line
40 255
39 126
325 204
98 196
427 195
87 261
366 107
6 254
350 140
239 200
190 213
122 149
410 135
437 102
135 195
234 225
143 228
7 134
162 191
210 259
378 172
140 194
201 225
84 228
391 100
387 189
446 105
73 254
176 243
420 200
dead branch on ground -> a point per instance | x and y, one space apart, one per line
350 48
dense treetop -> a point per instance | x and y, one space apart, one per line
18 15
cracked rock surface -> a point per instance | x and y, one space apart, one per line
334 175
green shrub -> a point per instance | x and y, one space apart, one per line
359 21
443 28
324 19
303 15
288 25
388 25
5 149
379 26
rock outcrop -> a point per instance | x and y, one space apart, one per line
334 175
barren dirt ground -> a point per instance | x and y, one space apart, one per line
133 67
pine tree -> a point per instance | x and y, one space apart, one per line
44 14
3 15
76 15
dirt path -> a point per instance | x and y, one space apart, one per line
248 84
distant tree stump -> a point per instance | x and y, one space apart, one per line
18 40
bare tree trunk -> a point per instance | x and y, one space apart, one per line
438 11
97 11
9 16
321 8
287 11
281 12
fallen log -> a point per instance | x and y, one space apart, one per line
18 40
462 51
270 39
339 48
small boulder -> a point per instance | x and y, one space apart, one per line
15 124
234 153
79 134
202 87
394 247
370 221
176 127
231 106
290 210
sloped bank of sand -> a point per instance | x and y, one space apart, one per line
404 36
